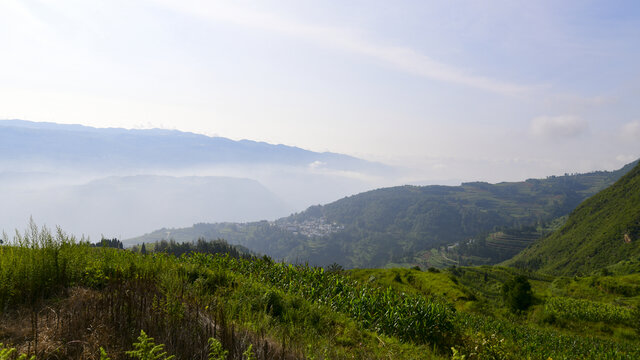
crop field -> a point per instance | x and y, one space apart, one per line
585 310
64 299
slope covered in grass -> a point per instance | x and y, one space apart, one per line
63 299
603 231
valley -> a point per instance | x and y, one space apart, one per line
471 224
319 180
538 269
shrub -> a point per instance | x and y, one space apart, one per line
635 319
146 349
9 353
216 352
335 268
273 304
248 354
103 354
517 293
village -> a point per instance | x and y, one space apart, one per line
310 228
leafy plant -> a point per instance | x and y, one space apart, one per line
456 355
103 354
146 349
216 352
9 353
248 354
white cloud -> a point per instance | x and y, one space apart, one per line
317 164
402 58
563 126
631 131
626 158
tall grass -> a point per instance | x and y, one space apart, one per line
107 296
409 317
183 302
585 310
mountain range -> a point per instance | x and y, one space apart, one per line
119 182
602 231
403 224
51 145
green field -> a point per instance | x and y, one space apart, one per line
63 299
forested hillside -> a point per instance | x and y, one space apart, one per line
399 224
602 231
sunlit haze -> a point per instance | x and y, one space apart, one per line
496 90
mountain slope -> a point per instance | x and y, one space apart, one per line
393 225
602 231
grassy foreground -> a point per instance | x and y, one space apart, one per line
64 299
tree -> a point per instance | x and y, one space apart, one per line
143 250
335 268
517 293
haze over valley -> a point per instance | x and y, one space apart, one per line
123 183
284 180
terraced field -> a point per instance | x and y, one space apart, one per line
510 244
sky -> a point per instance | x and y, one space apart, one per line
471 90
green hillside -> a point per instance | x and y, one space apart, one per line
60 299
396 225
603 231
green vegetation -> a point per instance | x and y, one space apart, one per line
602 233
10 353
580 309
216 351
78 299
146 349
200 246
516 293
413 225
591 316
64 299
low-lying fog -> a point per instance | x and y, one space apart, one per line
124 183
127 204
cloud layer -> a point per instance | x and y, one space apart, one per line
631 131
402 58
563 126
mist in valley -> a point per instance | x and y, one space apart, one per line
116 183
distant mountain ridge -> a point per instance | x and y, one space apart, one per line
50 170
397 224
77 145
603 231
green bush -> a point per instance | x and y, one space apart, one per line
9 353
635 319
216 352
146 349
517 294
273 303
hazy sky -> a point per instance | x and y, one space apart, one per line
491 90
